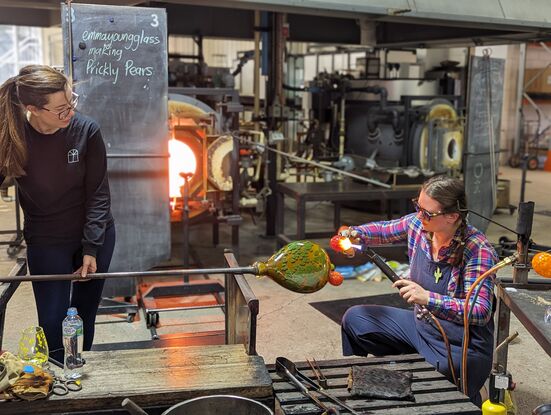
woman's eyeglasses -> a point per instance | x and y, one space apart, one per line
65 113
425 213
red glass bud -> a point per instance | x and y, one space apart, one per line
334 243
335 278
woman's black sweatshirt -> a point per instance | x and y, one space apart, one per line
65 192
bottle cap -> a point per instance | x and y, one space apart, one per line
72 311
28 369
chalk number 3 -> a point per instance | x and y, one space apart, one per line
155 21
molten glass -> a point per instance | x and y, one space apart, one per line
301 266
340 243
542 264
335 278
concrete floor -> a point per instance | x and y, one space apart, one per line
287 324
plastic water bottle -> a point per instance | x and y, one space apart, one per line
72 342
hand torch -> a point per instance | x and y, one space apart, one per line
343 244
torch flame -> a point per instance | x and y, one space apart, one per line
182 160
345 244
340 243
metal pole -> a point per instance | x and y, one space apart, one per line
256 74
70 41
313 163
142 274
524 231
185 220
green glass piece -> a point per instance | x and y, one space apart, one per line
301 266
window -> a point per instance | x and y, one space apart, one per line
19 46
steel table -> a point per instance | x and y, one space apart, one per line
336 192
528 303
156 379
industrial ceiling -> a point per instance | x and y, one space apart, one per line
384 23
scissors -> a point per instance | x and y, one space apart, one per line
62 387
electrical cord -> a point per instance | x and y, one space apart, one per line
489 220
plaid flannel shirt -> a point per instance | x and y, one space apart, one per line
479 256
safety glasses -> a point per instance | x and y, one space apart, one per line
65 113
425 213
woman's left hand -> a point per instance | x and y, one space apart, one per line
88 266
412 292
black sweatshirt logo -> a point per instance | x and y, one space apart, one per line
72 156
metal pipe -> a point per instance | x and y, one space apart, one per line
142 274
322 166
524 231
342 131
506 342
199 307
256 73
519 98
70 40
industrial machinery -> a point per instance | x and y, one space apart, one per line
197 147
203 168
377 124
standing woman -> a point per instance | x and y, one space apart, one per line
57 156
446 257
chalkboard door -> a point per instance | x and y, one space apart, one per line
485 98
119 68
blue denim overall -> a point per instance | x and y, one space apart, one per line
383 330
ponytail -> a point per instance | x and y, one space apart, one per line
32 86
456 257
13 149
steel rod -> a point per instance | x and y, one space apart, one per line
199 307
142 274
313 163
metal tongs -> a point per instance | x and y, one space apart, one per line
322 380
288 370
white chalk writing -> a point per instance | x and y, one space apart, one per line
132 41
107 54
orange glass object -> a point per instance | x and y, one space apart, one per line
301 266
542 264
340 243
335 278
334 243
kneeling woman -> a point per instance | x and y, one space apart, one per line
446 257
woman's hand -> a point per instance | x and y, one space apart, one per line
88 266
412 292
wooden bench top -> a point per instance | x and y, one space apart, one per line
157 378
434 394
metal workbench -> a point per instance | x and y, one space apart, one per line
528 303
156 379
336 192
433 393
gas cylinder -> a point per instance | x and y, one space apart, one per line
301 266
491 408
